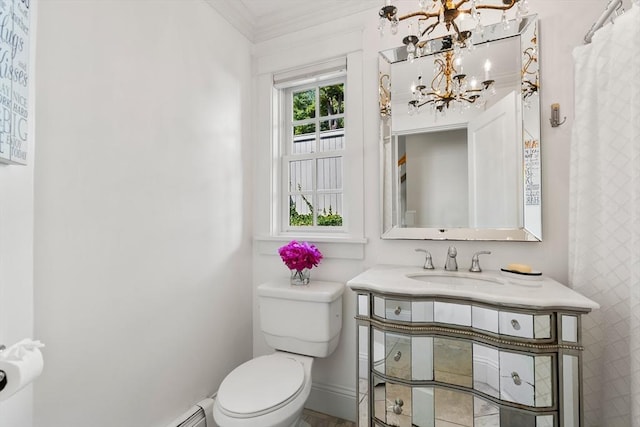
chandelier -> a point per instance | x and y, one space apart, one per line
384 89
433 13
456 88
530 75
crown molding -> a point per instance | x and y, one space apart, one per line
304 16
301 15
236 14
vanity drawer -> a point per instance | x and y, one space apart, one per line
392 309
398 356
403 356
515 324
525 379
522 325
428 406
513 377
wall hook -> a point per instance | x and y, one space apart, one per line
555 116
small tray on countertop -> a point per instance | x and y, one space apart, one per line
533 275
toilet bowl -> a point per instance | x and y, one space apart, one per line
300 323
265 391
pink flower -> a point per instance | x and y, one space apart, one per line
300 255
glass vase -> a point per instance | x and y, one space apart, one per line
300 277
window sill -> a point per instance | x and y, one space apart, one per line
331 247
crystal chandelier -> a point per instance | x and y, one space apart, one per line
456 90
432 13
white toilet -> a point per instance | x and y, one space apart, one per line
300 322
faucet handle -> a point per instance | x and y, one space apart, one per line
428 262
475 261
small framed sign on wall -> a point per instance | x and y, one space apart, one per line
14 81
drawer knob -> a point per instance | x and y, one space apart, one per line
515 324
397 356
398 310
397 408
516 378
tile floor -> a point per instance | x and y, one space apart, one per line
316 419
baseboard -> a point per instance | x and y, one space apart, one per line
334 400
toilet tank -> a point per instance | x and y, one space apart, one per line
301 319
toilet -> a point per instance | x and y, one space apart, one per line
300 323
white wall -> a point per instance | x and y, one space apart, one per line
559 34
16 275
437 181
16 253
142 209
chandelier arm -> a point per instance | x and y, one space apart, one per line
460 3
495 7
530 59
430 28
457 30
439 75
425 15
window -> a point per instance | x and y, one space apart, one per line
313 146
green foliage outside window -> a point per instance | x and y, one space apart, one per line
331 103
324 219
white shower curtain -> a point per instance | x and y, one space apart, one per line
604 232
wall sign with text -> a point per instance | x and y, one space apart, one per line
14 80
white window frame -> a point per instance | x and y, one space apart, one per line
268 232
286 140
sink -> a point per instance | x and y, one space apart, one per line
450 279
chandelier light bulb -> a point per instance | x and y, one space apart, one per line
487 68
394 27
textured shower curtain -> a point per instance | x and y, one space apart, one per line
604 232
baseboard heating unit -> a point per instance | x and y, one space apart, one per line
200 415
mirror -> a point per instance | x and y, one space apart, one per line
453 362
463 169
363 374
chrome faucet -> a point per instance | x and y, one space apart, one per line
428 263
475 261
451 264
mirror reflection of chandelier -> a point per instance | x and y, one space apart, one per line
450 88
432 13
530 75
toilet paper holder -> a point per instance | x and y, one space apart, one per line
3 376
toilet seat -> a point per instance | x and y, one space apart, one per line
260 386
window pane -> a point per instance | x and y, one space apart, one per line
333 124
303 144
308 129
304 105
300 210
301 175
332 140
331 100
330 173
330 209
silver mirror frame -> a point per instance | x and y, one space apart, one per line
527 31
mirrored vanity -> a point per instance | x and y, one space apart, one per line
460 138
442 348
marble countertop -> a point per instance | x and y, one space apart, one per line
488 286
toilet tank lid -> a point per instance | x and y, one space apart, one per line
317 290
